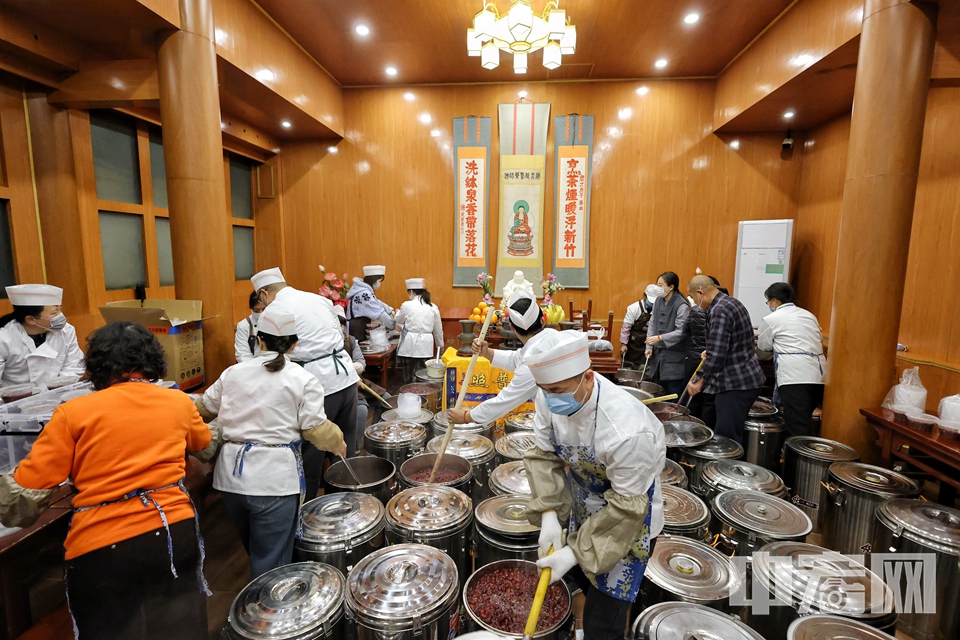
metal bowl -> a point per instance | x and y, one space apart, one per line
667 410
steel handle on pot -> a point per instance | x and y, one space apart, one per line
835 492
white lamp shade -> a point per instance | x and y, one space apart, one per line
484 23
568 43
473 43
551 55
502 33
490 56
520 20
557 21
519 63
539 34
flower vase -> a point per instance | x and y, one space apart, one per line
466 338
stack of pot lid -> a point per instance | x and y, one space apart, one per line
470 446
769 517
692 570
822 449
686 432
430 511
822 627
512 446
762 408
736 474
394 414
520 420
682 509
507 515
401 587
337 519
822 581
717 448
875 480
510 478
301 600
396 433
765 424
930 525
686 621
673 474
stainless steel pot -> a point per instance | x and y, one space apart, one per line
340 529
763 408
393 415
426 461
684 514
641 390
510 479
685 621
376 474
519 421
668 410
856 490
673 474
723 475
481 454
503 531
806 464
562 630
434 515
686 431
302 601
821 627
512 446
693 459
397 441
750 519
685 570
763 437
916 527
438 427
429 391
403 592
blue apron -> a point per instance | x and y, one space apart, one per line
295 448
776 365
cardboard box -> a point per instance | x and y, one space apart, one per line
177 324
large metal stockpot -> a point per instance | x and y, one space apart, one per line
673 474
481 453
302 601
917 527
403 592
510 479
763 438
397 440
685 621
750 519
723 475
806 464
821 627
519 421
340 529
512 446
438 427
668 410
434 515
426 461
378 476
428 391
856 490
503 531
693 459
685 431
684 514
692 571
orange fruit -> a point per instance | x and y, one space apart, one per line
483 305
476 311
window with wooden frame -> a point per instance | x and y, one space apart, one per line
240 174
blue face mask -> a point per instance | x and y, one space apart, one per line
564 404
771 307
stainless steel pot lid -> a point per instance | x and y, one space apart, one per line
685 433
717 448
521 420
514 445
338 517
682 508
763 514
822 449
686 621
737 474
394 415
672 473
822 627
512 478
692 569
288 602
927 523
876 480
506 515
396 432
442 419
824 580
762 407
472 446
395 585
765 424
430 508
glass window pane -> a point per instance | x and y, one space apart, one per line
243 263
158 171
121 239
241 188
115 162
8 275
164 251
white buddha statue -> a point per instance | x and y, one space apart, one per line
517 282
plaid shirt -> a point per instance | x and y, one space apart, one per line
731 362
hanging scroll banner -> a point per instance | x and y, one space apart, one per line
523 147
573 136
471 152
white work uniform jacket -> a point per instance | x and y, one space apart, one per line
257 406
241 345
421 327
21 361
522 386
320 346
794 336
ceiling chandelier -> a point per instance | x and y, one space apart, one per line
521 32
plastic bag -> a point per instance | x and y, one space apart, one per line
949 408
910 391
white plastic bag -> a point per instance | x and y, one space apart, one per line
949 409
408 406
910 391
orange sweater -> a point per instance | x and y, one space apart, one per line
129 436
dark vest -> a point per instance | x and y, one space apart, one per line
638 333
668 363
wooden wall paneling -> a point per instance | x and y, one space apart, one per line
111 83
36 51
150 254
271 221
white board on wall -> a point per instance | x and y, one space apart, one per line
763 257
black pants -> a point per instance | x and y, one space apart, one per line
732 408
126 591
341 409
410 368
799 401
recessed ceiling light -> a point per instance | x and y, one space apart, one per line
223 125
734 144
435 133
332 150
362 30
522 94
391 71
787 115
286 124
691 18
661 63
642 91
408 96
426 118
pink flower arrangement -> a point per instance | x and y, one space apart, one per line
550 287
485 280
334 288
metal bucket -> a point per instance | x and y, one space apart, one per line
438 427
673 474
724 475
638 391
830 627
750 519
426 461
340 529
806 464
672 620
510 479
397 440
668 410
693 459
503 531
519 421
685 570
684 514
376 474
763 439
481 453
428 391
512 446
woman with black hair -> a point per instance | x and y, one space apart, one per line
422 329
37 344
266 408
666 343
363 307
134 557
245 344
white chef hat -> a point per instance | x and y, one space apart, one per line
34 295
374 270
277 324
653 292
267 277
558 356
416 283
337 309
523 320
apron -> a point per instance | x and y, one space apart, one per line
776 365
295 448
589 484
636 347
337 365
252 338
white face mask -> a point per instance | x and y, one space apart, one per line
376 285
255 317
412 295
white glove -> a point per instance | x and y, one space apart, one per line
358 367
550 533
559 563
